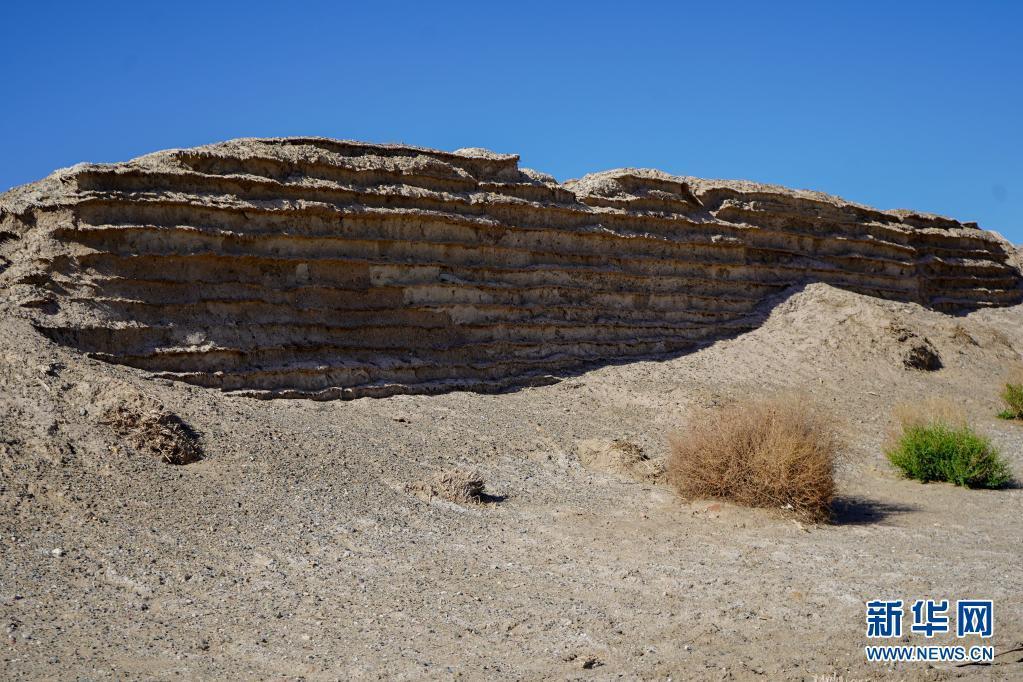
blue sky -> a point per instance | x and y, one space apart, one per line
894 104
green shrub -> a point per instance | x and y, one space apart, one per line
1012 396
938 451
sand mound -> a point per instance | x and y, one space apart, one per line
819 323
619 458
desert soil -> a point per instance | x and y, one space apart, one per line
301 546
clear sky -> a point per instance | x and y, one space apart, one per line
895 104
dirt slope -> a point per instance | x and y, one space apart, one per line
295 548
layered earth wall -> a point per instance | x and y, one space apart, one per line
309 267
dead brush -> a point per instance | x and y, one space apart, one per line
152 429
455 485
768 452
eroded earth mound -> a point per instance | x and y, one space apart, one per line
309 267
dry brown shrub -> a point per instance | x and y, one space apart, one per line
775 452
455 485
149 427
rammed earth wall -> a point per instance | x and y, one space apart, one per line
309 267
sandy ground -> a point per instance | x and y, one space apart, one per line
293 550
